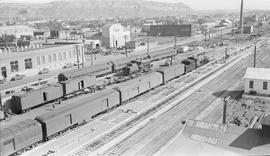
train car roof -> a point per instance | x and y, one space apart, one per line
173 66
137 80
92 97
16 128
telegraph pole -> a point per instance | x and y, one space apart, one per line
175 42
147 45
126 45
255 51
82 48
77 52
225 101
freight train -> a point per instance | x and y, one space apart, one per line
45 126
78 79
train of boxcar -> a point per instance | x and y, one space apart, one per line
56 121
75 80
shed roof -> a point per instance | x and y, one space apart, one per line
258 73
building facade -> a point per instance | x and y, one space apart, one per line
32 61
257 81
16 30
185 30
115 35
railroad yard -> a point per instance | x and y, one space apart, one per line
136 105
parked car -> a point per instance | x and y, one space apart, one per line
17 77
68 65
44 71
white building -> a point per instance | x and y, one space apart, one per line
16 30
258 81
115 35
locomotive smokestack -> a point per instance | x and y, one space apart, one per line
241 17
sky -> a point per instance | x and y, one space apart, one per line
197 4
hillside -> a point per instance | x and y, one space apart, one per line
93 9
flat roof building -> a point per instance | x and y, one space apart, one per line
30 62
16 30
257 81
115 35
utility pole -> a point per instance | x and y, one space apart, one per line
226 53
147 45
255 51
175 42
82 49
126 45
77 52
225 101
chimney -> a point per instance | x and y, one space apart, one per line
241 17
266 126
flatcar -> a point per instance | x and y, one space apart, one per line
20 136
161 54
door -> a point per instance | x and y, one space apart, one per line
9 146
80 85
68 120
45 96
4 72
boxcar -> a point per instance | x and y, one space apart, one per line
27 100
77 113
97 70
19 136
189 65
137 86
172 72
72 85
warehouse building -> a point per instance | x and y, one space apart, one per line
16 30
257 81
32 61
115 35
185 30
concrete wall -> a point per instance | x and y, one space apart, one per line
258 86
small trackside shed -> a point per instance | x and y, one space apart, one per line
77 113
257 81
19 136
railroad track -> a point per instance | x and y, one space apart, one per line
168 125
97 144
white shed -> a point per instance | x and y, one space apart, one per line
257 80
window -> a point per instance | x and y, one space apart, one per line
65 55
70 54
251 84
264 85
28 63
43 59
60 56
14 66
49 58
54 57
38 60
